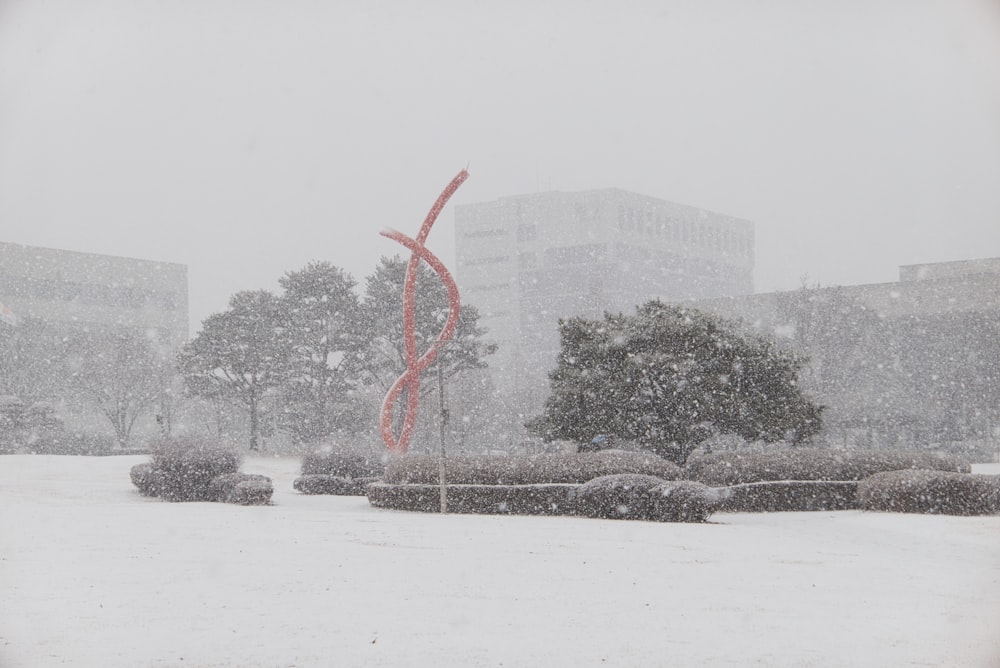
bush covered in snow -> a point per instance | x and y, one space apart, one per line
626 496
932 492
189 469
790 495
188 465
223 488
683 501
321 483
551 499
256 491
148 480
747 466
527 470
327 462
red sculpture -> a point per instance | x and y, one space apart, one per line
410 379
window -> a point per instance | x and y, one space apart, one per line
489 288
576 255
527 261
477 234
495 259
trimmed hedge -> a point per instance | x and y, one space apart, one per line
683 501
790 495
318 483
342 465
642 497
223 488
188 466
251 492
625 496
148 480
527 470
749 466
552 499
618 497
931 492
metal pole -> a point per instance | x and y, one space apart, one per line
444 424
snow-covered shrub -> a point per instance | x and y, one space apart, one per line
221 487
932 492
592 465
745 466
188 466
251 492
790 495
625 496
321 483
420 469
325 462
148 480
421 498
554 499
683 501
527 470
864 463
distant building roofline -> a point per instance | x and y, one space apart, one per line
619 193
948 269
88 253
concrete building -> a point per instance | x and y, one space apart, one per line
911 362
940 288
529 260
95 292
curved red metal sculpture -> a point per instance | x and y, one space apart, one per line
410 379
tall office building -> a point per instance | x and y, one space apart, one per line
529 260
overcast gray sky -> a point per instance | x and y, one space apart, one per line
245 138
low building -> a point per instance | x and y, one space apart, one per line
912 362
61 312
95 292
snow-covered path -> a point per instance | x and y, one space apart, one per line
92 574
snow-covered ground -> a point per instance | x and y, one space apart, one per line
92 574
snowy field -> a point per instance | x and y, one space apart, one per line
92 574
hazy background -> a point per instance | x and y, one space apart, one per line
245 138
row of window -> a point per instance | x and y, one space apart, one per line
493 287
495 232
699 234
493 259
111 295
574 255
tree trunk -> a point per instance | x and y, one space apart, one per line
253 425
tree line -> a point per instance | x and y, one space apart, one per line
311 361
317 345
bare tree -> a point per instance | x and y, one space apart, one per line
120 374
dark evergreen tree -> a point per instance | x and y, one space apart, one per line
669 378
383 358
322 314
241 355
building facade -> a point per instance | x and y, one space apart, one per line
94 292
529 260
909 363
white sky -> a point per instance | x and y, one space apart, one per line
246 138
